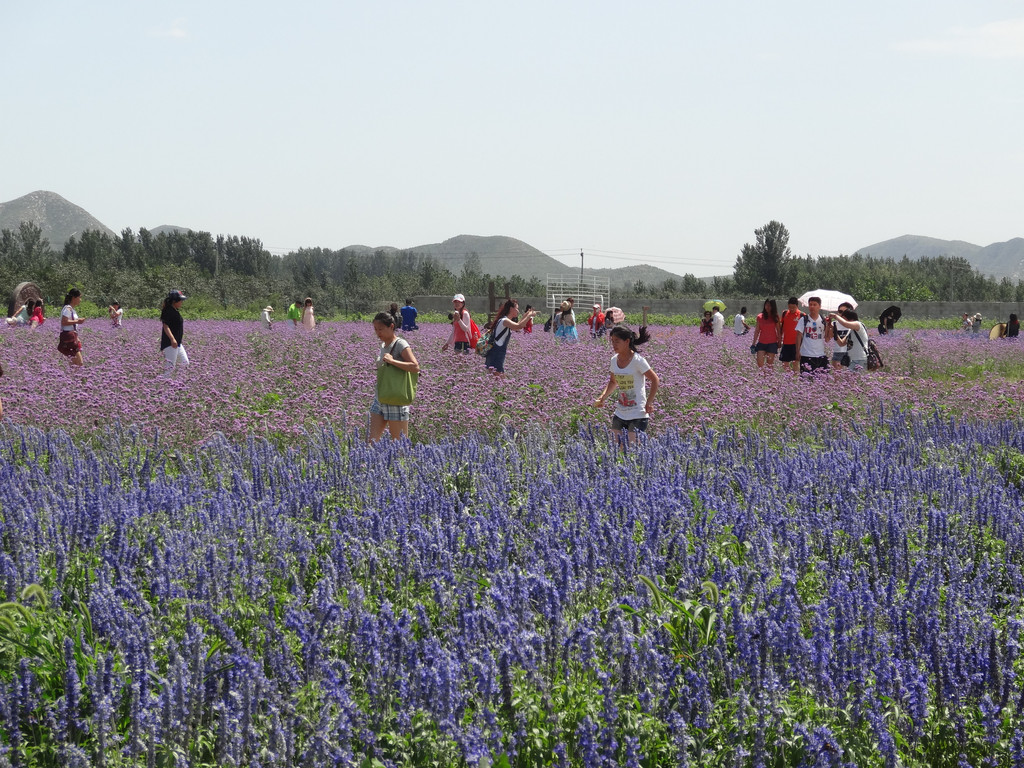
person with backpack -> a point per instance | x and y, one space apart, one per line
501 330
462 326
596 322
789 356
840 335
855 355
812 336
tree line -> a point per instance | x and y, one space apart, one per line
769 268
137 269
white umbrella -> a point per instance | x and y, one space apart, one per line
830 300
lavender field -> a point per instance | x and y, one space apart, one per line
219 571
244 382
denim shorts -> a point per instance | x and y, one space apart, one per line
637 425
496 357
771 349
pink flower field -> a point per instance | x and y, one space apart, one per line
279 383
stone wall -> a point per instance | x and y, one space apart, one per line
917 310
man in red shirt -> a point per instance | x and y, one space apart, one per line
789 319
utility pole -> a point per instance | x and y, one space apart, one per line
581 267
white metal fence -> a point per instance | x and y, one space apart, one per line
586 291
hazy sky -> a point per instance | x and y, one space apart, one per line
663 132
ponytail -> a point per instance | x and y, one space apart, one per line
71 294
634 339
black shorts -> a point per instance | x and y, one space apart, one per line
813 363
788 354
771 349
637 425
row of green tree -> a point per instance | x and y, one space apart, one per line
137 269
768 268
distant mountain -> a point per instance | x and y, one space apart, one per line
505 256
998 259
499 256
168 229
59 219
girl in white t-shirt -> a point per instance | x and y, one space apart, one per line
857 342
630 373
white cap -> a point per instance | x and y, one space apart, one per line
459 297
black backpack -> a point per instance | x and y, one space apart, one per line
874 356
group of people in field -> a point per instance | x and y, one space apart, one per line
810 341
972 324
30 315
629 373
802 341
70 345
300 315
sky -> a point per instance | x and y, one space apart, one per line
642 132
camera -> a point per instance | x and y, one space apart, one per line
529 307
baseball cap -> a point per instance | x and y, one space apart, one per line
176 296
459 297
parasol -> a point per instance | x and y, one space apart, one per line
714 304
830 300
998 331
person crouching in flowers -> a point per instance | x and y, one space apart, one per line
630 372
38 318
395 352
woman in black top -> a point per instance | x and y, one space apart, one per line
1013 327
172 330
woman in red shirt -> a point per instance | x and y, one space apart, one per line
37 315
767 332
461 326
